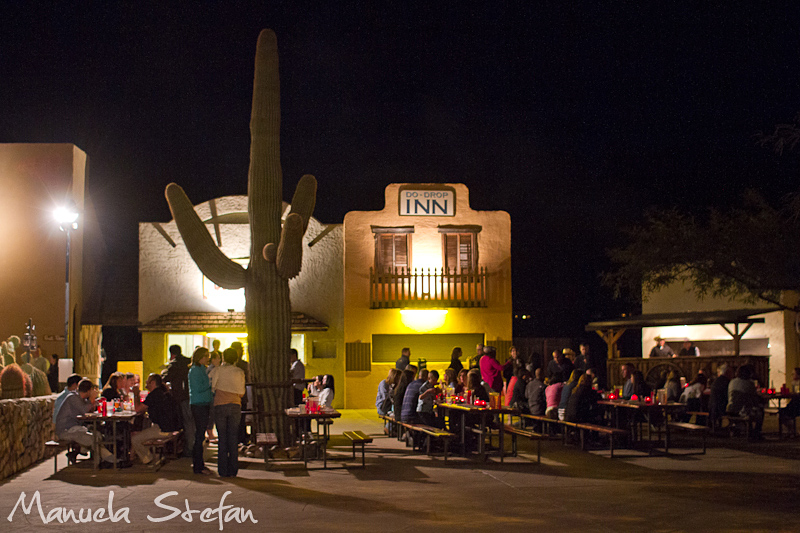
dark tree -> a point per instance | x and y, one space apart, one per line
748 253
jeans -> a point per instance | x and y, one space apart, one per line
228 416
188 427
201 415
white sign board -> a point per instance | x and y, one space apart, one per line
427 203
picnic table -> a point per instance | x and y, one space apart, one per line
302 424
485 415
120 423
655 415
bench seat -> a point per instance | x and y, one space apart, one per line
358 438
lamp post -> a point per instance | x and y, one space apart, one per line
67 218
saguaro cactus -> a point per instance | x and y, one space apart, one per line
275 252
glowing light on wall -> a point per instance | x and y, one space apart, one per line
423 320
224 299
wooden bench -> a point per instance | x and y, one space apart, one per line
514 431
266 441
390 425
430 433
734 420
57 447
603 430
553 425
698 414
685 426
356 438
160 445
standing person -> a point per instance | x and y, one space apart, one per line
476 360
52 373
297 373
200 402
404 360
491 370
40 362
215 351
455 360
244 438
661 349
163 413
228 385
689 349
215 360
583 359
177 375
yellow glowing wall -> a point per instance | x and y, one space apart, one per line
361 322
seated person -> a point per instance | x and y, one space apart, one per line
518 399
692 396
68 428
569 386
72 386
639 386
552 396
326 394
406 376
111 390
534 394
383 401
592 373
718 399
673 386
427 396
162 409
743 399
582 403
792 409
408 411
450 377
461 381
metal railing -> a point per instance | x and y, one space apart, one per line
430 287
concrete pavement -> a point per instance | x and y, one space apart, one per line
736 486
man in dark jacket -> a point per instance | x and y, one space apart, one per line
718 400
534 392
177 375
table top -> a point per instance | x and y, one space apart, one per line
630 404
119 416
326 412
477 408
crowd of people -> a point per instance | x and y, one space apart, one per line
564 388
567 388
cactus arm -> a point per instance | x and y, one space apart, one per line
290 250
212 262
304 199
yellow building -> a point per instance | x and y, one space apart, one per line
427 272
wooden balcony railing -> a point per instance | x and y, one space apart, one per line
431 287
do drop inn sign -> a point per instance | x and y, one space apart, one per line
426 202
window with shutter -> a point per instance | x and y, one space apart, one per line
459 252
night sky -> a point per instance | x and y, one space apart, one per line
574 117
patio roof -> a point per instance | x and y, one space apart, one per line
220 322
731 316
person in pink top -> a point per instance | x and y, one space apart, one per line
491 370
552 395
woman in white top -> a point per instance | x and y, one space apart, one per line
326 394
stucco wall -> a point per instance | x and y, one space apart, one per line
778 327
169 280
361 322
34 180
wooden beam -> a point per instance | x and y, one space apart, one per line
611 336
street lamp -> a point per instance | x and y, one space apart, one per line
67 218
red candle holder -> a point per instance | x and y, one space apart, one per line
612 396
635 398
